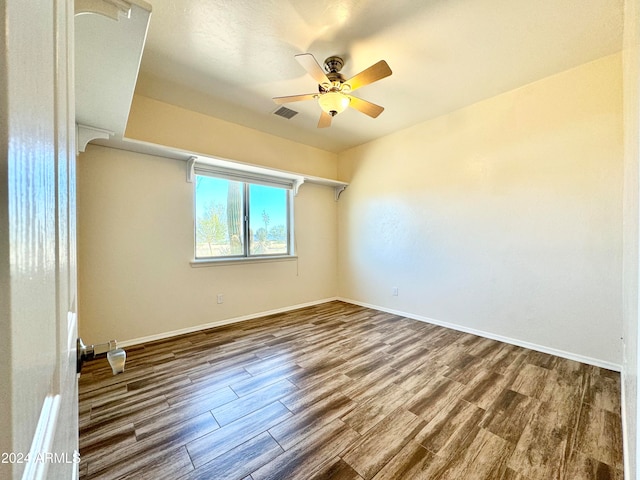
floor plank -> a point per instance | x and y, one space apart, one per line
369 455
218 442
240 460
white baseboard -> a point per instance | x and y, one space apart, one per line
513 341
219 323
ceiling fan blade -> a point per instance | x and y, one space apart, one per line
312 67
372 74
295 98
325 120
365 107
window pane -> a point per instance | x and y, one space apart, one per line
268 220
219 214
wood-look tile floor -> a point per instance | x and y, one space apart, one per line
344 392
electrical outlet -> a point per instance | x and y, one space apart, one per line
394 291
220 298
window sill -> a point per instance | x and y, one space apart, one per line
213 262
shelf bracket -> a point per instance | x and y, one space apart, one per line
191 174
85 133
339 189
113 9
296 185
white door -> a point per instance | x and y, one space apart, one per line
38 383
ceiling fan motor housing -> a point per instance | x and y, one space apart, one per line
333 64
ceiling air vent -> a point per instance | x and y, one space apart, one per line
285 112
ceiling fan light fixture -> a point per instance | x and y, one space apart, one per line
333 92
333 102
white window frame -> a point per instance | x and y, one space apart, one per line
246 174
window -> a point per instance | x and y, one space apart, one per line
237 219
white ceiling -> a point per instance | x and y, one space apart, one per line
228 58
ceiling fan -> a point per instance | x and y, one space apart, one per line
333 90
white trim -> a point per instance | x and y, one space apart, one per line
42 439
72 331
113 9
513 341
220 323
147 148
85 134
214 262
337 185
218 167
191 164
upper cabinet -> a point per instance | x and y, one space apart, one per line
109 40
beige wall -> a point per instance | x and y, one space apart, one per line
503 217
157 122
135 241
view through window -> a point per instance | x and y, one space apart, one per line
238 219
